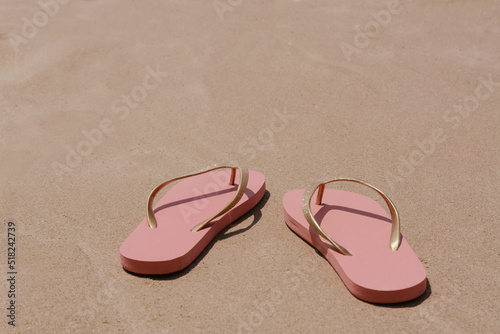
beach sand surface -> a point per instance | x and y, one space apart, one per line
101 101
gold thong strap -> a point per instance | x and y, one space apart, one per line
395 240
237 196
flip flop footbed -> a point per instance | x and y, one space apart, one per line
374 272
172 246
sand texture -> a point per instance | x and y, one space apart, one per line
102 100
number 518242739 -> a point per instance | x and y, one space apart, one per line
11 241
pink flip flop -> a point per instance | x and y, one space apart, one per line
371 257
188 217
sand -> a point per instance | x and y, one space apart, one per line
102 100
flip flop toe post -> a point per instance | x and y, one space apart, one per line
370 255
188 217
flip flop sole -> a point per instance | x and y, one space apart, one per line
172 246
374 272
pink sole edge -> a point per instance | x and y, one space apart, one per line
391 278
